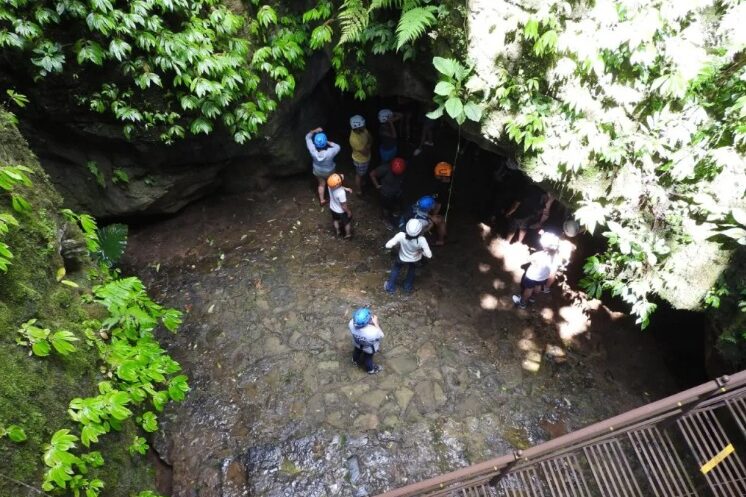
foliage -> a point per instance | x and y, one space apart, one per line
41 341
13 432
640 108
164 67
451 93
120 176
11 176
112 241
96 172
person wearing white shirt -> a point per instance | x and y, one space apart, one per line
412 246
366 339
341 213
542 266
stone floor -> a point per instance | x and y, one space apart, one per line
276 406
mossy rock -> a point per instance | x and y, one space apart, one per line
35 391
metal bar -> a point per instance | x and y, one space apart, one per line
737 408
629 476
598 474
639 445
703 451
711 428
552 478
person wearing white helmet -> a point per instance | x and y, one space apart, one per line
361 142
412 246
387 134
542 266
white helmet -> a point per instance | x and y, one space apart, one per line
414 227
571 228
549 240
384 115
357 122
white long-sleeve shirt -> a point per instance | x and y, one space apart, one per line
323 160
367 338
410 250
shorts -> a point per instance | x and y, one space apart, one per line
522 223
361 167
322 174
341 217
387 154
527 282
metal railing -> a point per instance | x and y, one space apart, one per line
673 447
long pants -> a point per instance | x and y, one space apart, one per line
396 268
367 358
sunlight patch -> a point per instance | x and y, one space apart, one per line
574 322
488 302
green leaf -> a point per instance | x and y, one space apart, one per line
266 16
69 283
473 111
62 342
201 125
150 422
446 67
413 23
90 433
435 114
444 88
531 29
454 107
41 349
16 433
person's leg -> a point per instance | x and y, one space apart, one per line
321 189
390 285
526 295
370 366
409 281
356 353
521 234
358 184
337 228
440 230
348 227
548 283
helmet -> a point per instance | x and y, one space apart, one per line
334 180
571 228
398 166
361 317
549 240
443 169
320 140
357 122
426 203
414 227
384 115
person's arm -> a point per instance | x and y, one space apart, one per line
512 209
547 210
346 208
374 319
425 247
309 142
392 128
391 243
333 149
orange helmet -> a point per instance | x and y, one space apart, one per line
334 180
443 169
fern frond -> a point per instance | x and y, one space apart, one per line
386 4
353 19
413 24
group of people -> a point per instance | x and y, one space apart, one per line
412 223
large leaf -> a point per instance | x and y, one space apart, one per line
444 88
41 349
61 341
454 107
413 24
16 433
112 243
473 111
446 67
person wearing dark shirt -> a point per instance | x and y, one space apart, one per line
442 193
530 212
389 180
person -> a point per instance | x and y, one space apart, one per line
387 134
412 246
322 154
366 339
428 125
442 188
361 142
389 180
338 206
530 212
542 268
424 211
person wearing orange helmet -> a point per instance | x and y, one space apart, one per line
389 180
442 193
338 206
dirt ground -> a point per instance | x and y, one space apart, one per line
276 406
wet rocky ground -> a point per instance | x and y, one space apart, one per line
277 408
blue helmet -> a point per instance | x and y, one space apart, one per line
320 140
361 317
426 203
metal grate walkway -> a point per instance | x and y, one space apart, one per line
687 445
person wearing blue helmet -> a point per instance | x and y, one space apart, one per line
322 153
366 339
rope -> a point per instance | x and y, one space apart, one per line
453 176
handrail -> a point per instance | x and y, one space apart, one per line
671 405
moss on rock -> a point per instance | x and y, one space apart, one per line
35 391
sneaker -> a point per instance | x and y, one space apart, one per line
376 369
389 288
531 300
546 289
354 362
408 290
417 151
517 301
429 143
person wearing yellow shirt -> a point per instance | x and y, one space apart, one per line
361 142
